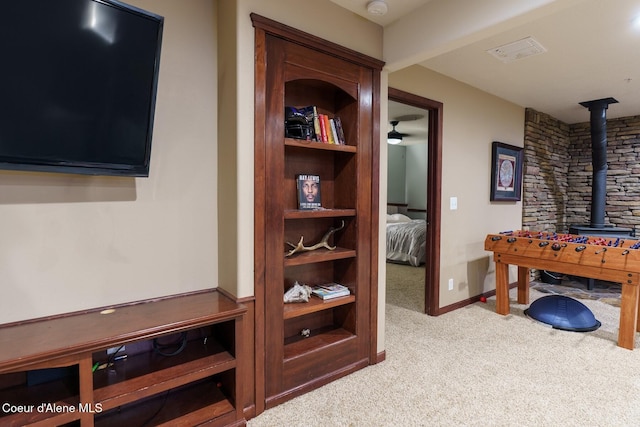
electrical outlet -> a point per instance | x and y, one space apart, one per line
113 350
450 284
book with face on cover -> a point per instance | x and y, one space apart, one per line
309 196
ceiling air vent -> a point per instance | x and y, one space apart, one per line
517 50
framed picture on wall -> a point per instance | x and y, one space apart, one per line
506 172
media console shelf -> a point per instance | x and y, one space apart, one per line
182 363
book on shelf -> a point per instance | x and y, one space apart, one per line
309 195
339 130
323 128
334 132
330 291
327 125
316 124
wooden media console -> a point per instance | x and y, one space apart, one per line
182 366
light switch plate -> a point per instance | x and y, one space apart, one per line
453 203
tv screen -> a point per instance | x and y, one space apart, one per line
78 85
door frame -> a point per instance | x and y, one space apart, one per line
434 194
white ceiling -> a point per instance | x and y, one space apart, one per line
396 9
593 49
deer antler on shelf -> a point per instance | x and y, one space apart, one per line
324 243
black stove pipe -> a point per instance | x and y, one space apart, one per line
598 113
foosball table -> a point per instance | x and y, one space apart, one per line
604 258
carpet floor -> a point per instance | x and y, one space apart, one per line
405 286
473 367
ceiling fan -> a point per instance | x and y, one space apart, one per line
394 137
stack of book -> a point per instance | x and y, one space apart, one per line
326 129
330 290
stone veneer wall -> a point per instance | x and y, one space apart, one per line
558 173
546 165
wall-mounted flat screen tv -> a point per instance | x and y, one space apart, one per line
78 83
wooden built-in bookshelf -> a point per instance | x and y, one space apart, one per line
295 69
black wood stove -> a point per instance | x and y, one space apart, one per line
598 122
597 226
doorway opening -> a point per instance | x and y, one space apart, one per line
404 109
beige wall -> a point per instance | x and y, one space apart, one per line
72 242
229 222
472 119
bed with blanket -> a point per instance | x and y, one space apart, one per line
406 239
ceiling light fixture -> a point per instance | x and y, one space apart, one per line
394 137
377 7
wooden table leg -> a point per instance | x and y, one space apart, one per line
638 312
502 288
523 285
628 316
